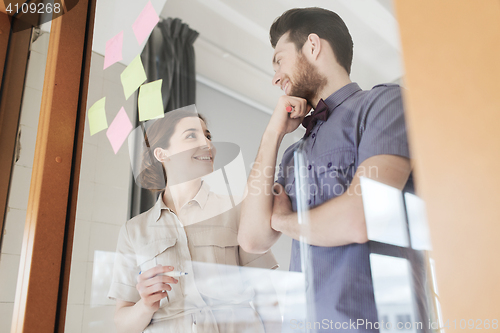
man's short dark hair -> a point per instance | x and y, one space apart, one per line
300 22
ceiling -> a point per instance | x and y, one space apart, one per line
233 51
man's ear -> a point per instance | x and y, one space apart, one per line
313 46
160 154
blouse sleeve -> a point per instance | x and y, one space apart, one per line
261 260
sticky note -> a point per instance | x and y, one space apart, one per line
113 50
150 101
145 23
133 76
97 116
119 130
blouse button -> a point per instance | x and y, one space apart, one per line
313 135
309 167
330 164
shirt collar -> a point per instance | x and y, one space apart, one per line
341 95
157 208
201 198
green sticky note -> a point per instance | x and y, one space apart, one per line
150 101
133 76
97 116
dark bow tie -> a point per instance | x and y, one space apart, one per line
320 113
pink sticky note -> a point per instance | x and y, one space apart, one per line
145 23
113 50
119 130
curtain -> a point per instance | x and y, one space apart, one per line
168 55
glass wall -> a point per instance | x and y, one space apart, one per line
192 226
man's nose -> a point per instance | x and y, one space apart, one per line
277 79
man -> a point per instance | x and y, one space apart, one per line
351 133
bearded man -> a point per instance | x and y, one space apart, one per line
350 132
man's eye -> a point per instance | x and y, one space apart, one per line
209 137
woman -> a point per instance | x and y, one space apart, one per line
189 229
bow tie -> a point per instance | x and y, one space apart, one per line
320 113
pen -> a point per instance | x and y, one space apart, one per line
174 273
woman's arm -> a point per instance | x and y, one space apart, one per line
135 317
131 317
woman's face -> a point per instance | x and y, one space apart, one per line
190 153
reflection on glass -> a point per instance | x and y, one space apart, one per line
384 213
302 192
417 222
392 287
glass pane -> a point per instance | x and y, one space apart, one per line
223 286
417 222
232 297
393 290
384 213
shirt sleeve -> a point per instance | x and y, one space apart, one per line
125 270
383 129
281 177
260 260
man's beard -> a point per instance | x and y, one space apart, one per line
308 81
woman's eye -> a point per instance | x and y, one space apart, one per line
191 136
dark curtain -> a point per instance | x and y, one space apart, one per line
168 55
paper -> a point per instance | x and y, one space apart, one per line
119 130
145 23
150 101
97 116
113 50
133 76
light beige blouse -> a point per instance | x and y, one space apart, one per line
213 297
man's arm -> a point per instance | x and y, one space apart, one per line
341 220
255 234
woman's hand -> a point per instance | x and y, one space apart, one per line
153 286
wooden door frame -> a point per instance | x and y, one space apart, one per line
42 287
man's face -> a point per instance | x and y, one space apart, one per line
294 73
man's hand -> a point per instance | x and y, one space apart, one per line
153 287
282 209
284 122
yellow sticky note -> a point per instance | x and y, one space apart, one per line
150 101
97 116
133 76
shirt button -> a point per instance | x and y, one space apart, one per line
309 167
330 164
309 201
313 135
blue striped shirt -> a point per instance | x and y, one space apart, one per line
361 124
